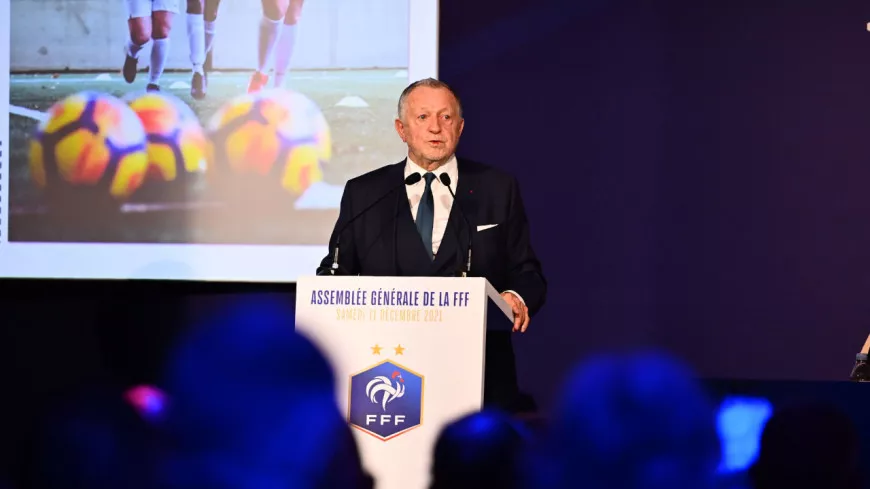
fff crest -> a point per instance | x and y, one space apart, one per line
386 400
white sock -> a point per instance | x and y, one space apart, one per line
269 30
133 49
159 53
284 53
196 40
209 35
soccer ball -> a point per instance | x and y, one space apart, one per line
274 139
89 140
176 140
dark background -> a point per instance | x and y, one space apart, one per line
695 174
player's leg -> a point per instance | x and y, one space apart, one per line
161 21
270 28
287 41
196 43
211 12
139 26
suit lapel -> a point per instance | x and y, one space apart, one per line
394 178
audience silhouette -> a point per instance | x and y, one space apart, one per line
478 451
630 421
253 406
246 403
807 446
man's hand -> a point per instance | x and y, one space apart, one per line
521 312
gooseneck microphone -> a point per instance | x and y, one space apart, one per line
409 180
445 180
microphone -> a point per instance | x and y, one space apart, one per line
409 180
445 180
861 370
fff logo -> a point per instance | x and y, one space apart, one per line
386 400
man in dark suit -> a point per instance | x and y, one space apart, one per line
418 231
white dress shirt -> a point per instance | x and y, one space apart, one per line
440 194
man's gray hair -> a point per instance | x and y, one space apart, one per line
429 83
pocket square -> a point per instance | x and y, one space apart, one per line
485 227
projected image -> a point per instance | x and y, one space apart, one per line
199 121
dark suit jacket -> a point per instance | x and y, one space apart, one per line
384 241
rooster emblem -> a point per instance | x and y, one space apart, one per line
384 386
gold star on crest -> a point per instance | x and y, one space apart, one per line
376 350
400 350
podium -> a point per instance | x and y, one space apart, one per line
408 355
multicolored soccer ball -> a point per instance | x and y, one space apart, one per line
90 140
275 139
176 140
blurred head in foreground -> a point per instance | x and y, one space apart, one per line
253 406
807 446
631 420
478 450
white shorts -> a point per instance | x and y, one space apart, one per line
144 8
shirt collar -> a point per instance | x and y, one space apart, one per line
450 166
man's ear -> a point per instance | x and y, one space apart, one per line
400 129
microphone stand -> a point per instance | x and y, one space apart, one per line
334 268
445 180
409 180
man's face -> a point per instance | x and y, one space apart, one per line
430 125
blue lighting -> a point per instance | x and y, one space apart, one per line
740 423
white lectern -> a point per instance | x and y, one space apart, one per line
408 354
